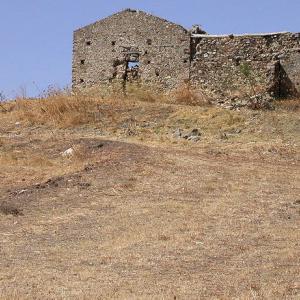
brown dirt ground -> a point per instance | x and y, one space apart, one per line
129 218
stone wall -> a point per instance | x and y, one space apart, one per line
131 46
290 66
136 47
229 67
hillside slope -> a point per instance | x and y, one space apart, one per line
138 211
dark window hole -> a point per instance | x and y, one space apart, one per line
149 42
157 73
81 80
113 43
82 61
88 43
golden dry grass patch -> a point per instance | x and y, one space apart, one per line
291 105
152 216
147 118
185 95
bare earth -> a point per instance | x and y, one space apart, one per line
134 218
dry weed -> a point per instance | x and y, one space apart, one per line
66 111
289 105
225 205
22 159
185 95
3 107
61 110
139 93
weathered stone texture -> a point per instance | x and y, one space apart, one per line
290 64
228 66
133 46
103 50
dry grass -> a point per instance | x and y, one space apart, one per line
156 222
64 111
34 162
292 105
184 95
147 116
140 214
140 93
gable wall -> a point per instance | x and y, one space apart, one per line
164 63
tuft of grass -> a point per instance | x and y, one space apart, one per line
140 93
24 159
184 95
289 105
65 111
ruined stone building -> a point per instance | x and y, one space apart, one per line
135 47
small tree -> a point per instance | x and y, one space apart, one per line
246 70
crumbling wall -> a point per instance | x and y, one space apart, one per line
230 67
103 51
136 47
290 72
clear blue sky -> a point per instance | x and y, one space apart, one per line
36 35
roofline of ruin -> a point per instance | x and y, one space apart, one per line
137 11
194 35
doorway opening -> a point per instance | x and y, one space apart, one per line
132 66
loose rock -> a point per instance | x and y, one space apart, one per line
177 133
193 135
68 153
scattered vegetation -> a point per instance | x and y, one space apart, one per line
247 72
185 95
61 110
141 112
232 195
291 105
251 80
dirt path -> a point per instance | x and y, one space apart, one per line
147 222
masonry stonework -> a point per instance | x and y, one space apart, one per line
232 66
133 46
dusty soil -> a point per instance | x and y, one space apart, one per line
147 219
